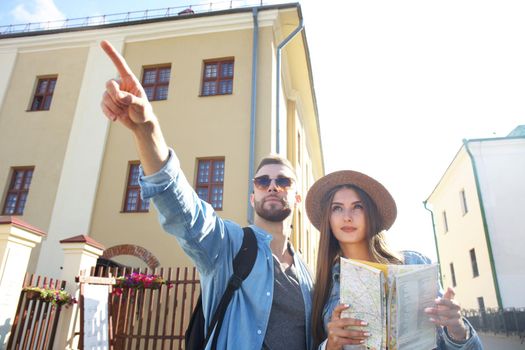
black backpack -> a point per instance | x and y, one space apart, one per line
242 266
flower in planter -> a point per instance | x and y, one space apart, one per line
57 297
136 280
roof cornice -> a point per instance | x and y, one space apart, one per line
152 29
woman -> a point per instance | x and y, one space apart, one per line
351 210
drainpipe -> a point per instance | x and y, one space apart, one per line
251 165
485 225
435 241
278 79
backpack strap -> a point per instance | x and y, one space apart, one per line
242 266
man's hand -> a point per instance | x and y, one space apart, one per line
125 100
447 313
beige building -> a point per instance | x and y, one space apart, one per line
476 209
228 87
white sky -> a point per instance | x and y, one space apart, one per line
399 84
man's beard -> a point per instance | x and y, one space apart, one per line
273 214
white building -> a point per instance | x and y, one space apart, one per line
477 208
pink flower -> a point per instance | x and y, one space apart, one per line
138 280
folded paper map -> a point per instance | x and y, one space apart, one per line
392 299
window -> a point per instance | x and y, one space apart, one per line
133 203
16 197
481 304
217 78
43 94
453 275
463 200
445 222
474 263
156 81
210 180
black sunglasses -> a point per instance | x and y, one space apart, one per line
264 181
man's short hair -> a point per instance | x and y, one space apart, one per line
276 159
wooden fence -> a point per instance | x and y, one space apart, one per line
36 320
151 318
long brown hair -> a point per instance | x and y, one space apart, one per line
329 251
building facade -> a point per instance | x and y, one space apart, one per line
228 87
476 209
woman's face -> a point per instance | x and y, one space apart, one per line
347 218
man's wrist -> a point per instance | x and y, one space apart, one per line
151 146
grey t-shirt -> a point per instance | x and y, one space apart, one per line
286 327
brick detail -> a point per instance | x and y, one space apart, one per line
133 250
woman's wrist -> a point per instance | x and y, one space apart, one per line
459 333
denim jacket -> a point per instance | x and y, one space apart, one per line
444 342
212 243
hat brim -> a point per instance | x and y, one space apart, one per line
378 193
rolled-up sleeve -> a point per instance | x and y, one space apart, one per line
154 184
472 343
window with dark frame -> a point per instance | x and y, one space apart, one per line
217 77
453 275
445 222
18 190
210 180
133 203
463 199
481 304
45 88
156 81
474 263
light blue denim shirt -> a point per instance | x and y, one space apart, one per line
212 243
444 342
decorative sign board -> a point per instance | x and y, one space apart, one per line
96 322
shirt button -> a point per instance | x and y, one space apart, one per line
259 331
267 293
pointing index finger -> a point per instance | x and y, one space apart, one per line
117 59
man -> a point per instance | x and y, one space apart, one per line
272 308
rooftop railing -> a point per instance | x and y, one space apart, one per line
124 17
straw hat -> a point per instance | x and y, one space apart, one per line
316 197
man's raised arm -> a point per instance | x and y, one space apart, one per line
125 101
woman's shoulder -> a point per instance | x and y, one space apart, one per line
412 257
